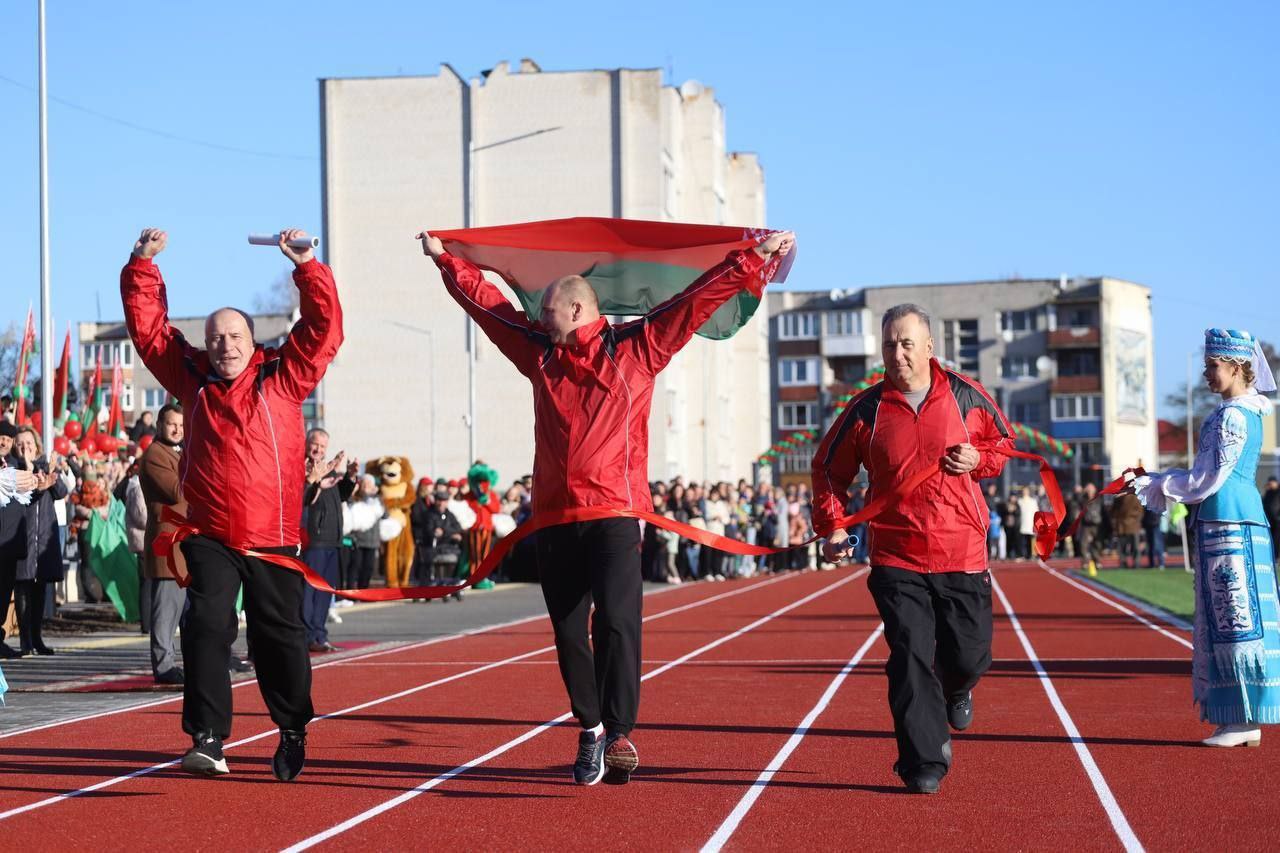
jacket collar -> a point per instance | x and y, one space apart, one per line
937 379
585 336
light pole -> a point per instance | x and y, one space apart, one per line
431 356
470 220
46 307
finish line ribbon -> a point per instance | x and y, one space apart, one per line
1046 535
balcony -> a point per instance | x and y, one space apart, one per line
1076 384
834 346
1075 336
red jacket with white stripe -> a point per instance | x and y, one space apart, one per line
592 395
942 525
243 465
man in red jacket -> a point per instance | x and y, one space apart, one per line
929 573
592 390
241 474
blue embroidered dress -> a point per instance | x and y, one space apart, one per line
1235 669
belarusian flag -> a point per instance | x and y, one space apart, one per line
93 400
28 350
115 419
60 379
633 265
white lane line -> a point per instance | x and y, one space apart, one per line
1111 603
436 781
361 657
1118 821
107 783
730 825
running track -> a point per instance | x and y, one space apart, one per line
763 726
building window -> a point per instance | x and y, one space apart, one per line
126 397
88 359
798 415
154 398
126 354
844 323
1077 316
1026 413
1019 321
803 324
1018 367
798 371
1086 408
960 344
1088 452
1078 363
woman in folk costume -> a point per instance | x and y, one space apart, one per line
1235 669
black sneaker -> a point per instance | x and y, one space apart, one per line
924 781
621 758
235 664
290 755
588 768
172 677
205 756
960 711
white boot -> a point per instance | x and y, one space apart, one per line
1235 735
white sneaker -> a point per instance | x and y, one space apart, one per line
334 617
1235 735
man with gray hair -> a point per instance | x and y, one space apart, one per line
322 515
929 573
242 476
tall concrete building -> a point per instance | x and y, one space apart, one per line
1071 358
402 154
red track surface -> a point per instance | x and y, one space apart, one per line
711 722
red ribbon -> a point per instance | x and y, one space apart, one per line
1046 525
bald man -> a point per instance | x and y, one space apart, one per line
592 390
242 474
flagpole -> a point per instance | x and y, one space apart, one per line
46 308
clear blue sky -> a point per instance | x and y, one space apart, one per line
903 142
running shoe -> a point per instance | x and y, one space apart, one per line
621 758
286 764
588 768
960 711
205 756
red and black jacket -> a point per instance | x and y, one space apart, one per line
942 525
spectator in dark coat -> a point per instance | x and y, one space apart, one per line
43 563
14 480
1271 507
1126 524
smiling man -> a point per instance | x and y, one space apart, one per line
929 573
241 474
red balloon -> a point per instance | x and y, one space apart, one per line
90 444
62 445
106 443
72 429
145 442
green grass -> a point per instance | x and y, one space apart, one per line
1171 589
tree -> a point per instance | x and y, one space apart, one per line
10 344
1203 400
280 297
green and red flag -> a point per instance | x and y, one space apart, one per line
60 379
93 400
115 419
29 349
633 265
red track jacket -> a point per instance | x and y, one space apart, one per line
942 525
591 397
243 465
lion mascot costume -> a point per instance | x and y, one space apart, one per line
395 484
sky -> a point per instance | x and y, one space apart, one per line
904 143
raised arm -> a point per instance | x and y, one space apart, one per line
672 324
508 328
161 347
315 338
